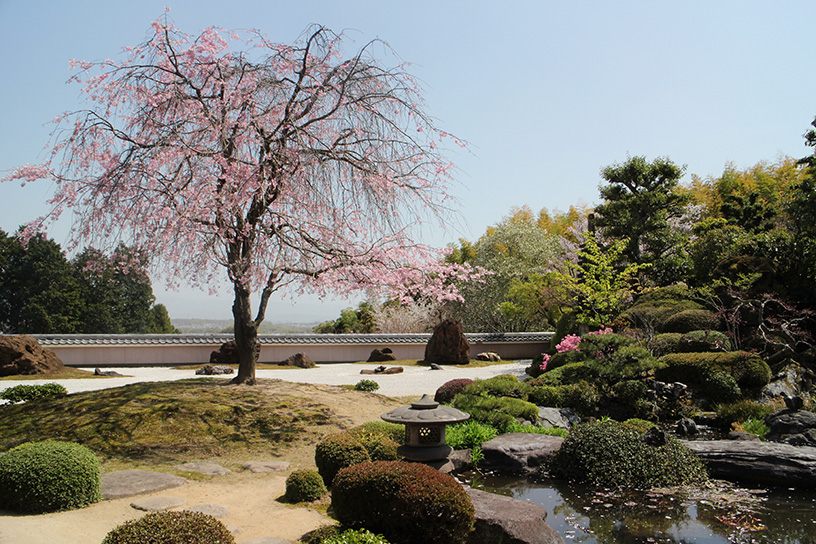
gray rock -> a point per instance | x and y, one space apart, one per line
742 435
488 356
126 483
687 427
214 370
794 427
519 452
213 510
759 462
791 381
564 418
157 504
435 366
509 521
266 466
461 461
108 373
204 467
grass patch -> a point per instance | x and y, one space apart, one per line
66 373
164 421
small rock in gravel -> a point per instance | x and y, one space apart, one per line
266 466
204 467
157 504
213 510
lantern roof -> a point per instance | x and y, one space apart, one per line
425 410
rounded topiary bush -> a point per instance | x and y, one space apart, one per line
450 389
692 320
697 341
366 385
49 476
609 453
171 528
380 439
405 502
304 485
338 451
748 369
665 343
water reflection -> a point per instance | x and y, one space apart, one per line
718 514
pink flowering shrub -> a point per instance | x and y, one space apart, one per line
568 343
603 330
537 368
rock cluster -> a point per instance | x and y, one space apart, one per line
214 370
24 355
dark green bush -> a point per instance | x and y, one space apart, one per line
338 451
666 343
406 502
498 386
366 385
639 425
692 320
496 411
358 536
304 485
450 389
380 439
749 370
565 375
48 476
608 453
721 386
700 341
24 393
171 528
741 410
582 397
565 358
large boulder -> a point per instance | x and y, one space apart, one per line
509 521
767 463
24 355
300 360
564 418
448 344
519 452
381 355
794 427
227 354
791 381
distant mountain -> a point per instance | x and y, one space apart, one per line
225 326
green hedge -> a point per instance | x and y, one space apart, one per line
748 369
498 386
612 454
50 476
405 502
582 397
496 411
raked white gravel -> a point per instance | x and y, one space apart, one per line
414 380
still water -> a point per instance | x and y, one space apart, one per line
721 514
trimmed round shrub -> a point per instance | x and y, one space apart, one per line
50 476
609 453
304 485
25 393
692 320
338 451
366 385
450 389
171 528
356 536
748 369
697 341
405 502
666 343
498 386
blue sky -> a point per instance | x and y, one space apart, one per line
546 93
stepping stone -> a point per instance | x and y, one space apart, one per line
157 504
267 540
210 509
126 483
204 467
266 466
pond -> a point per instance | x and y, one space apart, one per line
720 514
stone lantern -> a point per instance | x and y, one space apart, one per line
425 422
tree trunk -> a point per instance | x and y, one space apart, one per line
246 337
